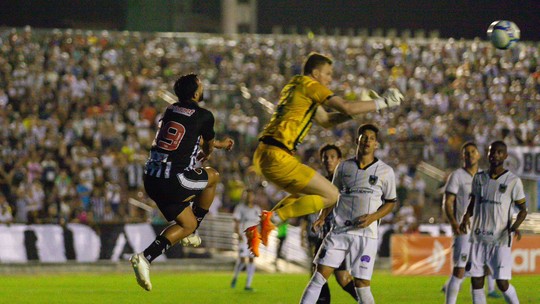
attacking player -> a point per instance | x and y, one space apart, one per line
330 156
494 194
456 200
367 193
170 176
245 215
301 103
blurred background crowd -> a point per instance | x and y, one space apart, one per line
79 110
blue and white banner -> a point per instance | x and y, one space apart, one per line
524 161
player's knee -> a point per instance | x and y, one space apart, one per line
213 176
503 285
459 272
361 283
189 224
477 282
342 277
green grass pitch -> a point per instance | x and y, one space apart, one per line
214 287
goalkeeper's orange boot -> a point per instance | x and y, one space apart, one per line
253 239
266 226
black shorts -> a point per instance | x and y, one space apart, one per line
172 195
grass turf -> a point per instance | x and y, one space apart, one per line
214 287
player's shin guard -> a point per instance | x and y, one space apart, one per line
452 289
306 204
364 295
199 213
313 289
158 246
478 296
510 295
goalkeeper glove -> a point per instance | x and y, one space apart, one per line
390 99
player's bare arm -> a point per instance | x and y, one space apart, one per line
522 214
465 221
449 204
226 143
329 119
365 220
319 222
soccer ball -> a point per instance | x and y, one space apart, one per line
503 34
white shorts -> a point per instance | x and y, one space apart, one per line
358 251
461 250
497 257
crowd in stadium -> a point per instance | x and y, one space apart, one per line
79 109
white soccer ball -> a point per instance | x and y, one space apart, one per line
503 34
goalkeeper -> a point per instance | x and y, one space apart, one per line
300 104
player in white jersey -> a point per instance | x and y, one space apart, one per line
456 200
493 196
367 189
245 215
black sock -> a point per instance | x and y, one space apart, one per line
350 289
158 246
324 296
199 214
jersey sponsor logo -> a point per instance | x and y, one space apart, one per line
182 110
347 190
488 201
479 231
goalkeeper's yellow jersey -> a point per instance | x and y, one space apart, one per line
297 105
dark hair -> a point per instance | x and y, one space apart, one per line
499 143
313 61
186 86
364 127
328 147
468 144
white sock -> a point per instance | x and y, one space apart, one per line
491 283
364 295
238 267
250 273
510 295
478 296
452 289
313 289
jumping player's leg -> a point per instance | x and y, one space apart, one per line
203 201
319 193
184 226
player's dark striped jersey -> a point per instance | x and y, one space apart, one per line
176 144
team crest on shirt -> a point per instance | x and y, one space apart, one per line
365 258
502 188
373 179
464 257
